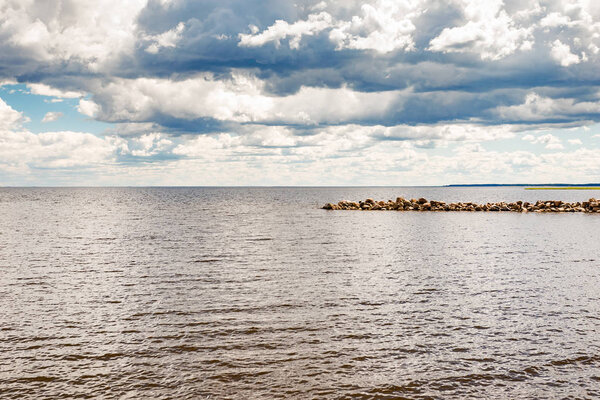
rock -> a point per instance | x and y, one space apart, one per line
401 204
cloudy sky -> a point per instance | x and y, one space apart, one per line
299 92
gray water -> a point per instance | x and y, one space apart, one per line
251 293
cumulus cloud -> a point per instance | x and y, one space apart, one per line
282 30
88 107
9 118
489 31
45 90
165 39
549 141
271 85
4 82
89 33
382 25
149 144
52 116
561 52
540 108
54 149
240 99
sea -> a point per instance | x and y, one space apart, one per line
257 293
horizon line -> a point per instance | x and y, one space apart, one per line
303 186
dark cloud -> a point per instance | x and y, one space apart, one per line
459 80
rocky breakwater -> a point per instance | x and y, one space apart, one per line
401 204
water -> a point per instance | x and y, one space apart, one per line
257 293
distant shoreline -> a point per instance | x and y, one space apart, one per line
564 188
533 185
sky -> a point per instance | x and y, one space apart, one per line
302 92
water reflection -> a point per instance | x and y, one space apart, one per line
256 293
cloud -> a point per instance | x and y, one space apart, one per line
272 85
489 31
66 33
411 50
45 90
540 108
239 99
88 107
561 52
52 116
149 145
4 82
10 118
282 30
550 141
383 26
166 39
23 150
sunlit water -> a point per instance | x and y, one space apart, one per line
257 293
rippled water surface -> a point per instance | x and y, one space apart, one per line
257 293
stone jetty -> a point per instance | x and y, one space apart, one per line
401 204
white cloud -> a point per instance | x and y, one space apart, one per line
22 149
52 116
149 144
88 107
489 31
561 52
240 99
329 129
554 20
539 108
10 118
346 141
550 141
226 159
4 82
93 33
45 90
383 26
282 30
165 39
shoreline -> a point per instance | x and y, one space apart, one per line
422 204
564 188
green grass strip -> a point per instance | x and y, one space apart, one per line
563 188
